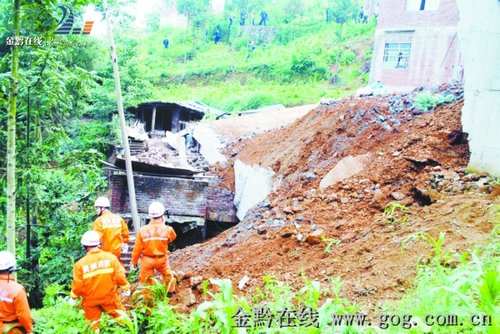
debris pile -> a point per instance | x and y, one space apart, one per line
161 154
349 226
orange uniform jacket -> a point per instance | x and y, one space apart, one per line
113 231
14 303
153 240
96 277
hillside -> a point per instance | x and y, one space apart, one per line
373 210
298 63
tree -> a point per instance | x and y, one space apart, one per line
25 64
11 136
294 8
237 5
343 10
195 10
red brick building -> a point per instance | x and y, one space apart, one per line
416 44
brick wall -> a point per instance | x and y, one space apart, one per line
220 203
183 197
435 54
394 15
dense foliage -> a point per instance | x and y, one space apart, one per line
64 129
58 171
295 59
472 288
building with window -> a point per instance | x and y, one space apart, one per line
416 44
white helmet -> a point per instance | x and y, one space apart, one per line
91 239
7 261
102 202
156 209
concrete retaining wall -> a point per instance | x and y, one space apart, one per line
479 32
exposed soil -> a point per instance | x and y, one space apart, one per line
246 125
416 158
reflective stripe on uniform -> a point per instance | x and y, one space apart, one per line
98 272
113 225
111 222
155 238
6 299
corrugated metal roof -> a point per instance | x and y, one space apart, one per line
196 106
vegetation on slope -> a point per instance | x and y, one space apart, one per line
71 96
471 288
66 97
293 63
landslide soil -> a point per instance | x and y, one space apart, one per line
418 158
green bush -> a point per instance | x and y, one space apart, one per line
60 318
306 66
428 101
253 101
472 288
348 57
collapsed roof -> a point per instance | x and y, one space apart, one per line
172 115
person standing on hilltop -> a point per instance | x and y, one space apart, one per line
111 228
217 35
263 18
243 17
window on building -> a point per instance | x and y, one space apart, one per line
396 55
422 4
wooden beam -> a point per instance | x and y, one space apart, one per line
153 119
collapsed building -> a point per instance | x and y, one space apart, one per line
169 168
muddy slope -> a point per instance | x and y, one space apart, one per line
415 158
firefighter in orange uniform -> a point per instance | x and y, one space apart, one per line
151 245
96 278
14 309
112 228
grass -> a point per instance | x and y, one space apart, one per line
234 96
470 289
428 101
467 296
293 69
394 213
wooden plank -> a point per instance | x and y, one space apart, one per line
138 166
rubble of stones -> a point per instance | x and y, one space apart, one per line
288 217
161 154
291 223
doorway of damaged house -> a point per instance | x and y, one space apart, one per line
168 167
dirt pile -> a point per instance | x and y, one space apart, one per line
413 157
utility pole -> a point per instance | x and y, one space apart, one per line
121 114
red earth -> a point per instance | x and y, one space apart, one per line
418 158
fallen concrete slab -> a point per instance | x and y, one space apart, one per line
345 168
252 185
